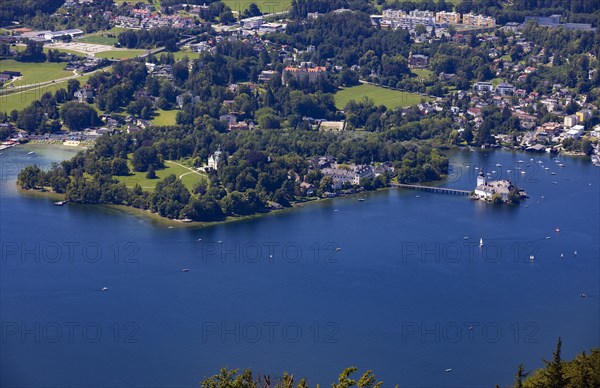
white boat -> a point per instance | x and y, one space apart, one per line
583 295
30 153
498 165
338 249
520 161
531 257
449 370
466 238
104 289
361 199
553 173
185 270
575 252
523 172
481 242
59 203
509 171
562 255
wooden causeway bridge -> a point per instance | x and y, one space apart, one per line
432 189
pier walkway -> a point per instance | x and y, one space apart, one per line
432 189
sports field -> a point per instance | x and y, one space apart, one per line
380 96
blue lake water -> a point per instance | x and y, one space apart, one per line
405 295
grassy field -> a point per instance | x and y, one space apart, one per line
21 100
422 73
165 117
266 6
381 96
186 175
35 72
120 54
101 37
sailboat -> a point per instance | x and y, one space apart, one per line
481 242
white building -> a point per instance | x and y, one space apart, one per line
482 87
485 190
214 159
575 132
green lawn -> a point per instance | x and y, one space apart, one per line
380 96
21 100
35 72
422 73
120 54
165 117
101 37
98 39
179 55
186 175
496 81
266 6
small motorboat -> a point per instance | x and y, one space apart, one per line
531 257
104 289
449 370
498 165
583 295
562 255
466 238
30 153
575 253
548 237
59 203
481 242
361 199
185 270
557 230
338 249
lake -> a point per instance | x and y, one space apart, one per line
397 283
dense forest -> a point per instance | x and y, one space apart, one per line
17 10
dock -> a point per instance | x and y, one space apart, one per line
432 189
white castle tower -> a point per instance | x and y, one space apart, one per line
481 181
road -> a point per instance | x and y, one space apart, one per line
25 88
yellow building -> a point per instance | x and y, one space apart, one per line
447 17
583 115
471 19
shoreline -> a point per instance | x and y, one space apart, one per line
172 223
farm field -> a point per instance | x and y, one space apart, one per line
380 96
